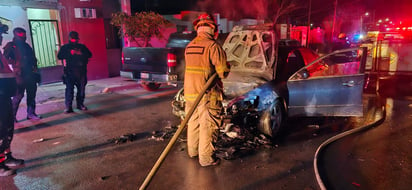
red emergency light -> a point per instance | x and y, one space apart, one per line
122 58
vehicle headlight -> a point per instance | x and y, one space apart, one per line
242 103
234 109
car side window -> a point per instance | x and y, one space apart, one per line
329 66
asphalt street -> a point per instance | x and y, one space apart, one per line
73 152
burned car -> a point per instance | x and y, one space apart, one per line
321 88
263 92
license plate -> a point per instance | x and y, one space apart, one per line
144 75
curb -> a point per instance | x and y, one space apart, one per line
119 88
111 89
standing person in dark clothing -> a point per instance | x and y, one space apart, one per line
7 90
77 56
24 63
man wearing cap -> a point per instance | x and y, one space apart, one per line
77 56
204 57
7 90
21 56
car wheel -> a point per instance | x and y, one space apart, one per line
178 104
151 86
271 121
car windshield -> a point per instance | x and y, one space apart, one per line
338 63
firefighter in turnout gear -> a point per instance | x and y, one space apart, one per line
204 57
7 90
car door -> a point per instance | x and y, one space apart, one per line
329 86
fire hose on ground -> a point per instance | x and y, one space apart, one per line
176 135
319 179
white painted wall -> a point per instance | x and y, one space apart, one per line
42 14
18 18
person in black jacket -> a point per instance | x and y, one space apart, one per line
24 62
7 90
77 56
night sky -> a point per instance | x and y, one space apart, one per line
394 9
162 6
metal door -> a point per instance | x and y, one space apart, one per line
46 41
329 86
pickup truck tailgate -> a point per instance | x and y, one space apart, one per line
147 60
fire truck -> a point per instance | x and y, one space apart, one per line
389 61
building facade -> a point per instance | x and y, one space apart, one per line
48 23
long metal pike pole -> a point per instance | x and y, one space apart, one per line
176 135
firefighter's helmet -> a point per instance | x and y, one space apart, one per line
342 36
205 19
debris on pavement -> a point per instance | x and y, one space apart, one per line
233 141
127 138
313 126
104 177
38 140
123 139
167 132
44 139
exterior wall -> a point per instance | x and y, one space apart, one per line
113 42
91 33
16 17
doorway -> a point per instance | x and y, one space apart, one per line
45 40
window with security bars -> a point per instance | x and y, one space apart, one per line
45 40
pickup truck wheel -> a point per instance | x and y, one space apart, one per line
151 86
272 120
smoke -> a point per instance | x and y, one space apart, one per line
236 9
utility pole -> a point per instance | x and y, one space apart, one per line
308 31
334 20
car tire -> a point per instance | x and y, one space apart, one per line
151 86
272 120
178 104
